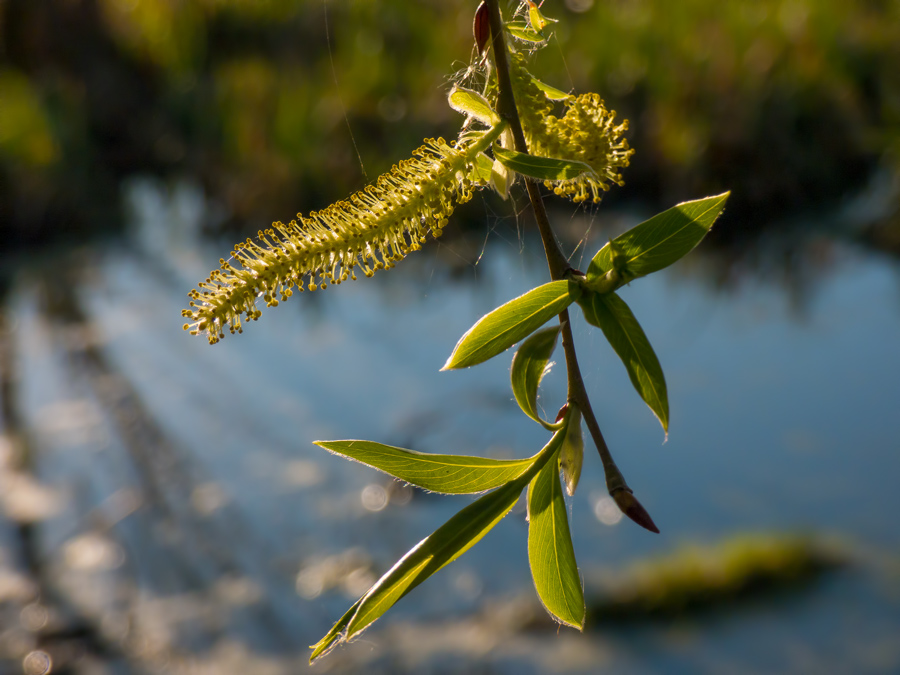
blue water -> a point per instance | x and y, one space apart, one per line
193 469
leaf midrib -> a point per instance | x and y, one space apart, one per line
497 336
679 230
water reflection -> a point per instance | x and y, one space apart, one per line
165 511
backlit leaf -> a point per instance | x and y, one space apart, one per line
481 172
658 242
552 93
335 634
536 18
609 312
474 104
523 32
541 168
442 547
528 367
501 178
448 474
550 550
505 326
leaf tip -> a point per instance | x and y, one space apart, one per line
320 649
662 415
452 362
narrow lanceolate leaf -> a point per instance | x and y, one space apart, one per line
536 18
334 635
501 178
473 104
481 169
448 474
528 367
505 326
442 547
541 168
523 32
609 312
660 241
552 93
550 551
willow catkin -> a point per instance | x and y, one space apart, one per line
587 132
371 230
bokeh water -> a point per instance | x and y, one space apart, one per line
163 496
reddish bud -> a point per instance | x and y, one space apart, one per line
631 507
482 27
562 411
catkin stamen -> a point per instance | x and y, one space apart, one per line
372 230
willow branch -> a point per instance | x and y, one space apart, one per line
559 269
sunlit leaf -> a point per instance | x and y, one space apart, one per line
505 326
550 550
448 474
523 32
528 366
542 168
536 18
501 178
609 312
552 93
442 547
482 169
474 104
335 635
660 241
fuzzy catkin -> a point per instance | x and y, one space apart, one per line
586 133
372 229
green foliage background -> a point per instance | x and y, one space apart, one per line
787 102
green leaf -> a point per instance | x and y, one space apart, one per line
474 104
523 32
658 242
528 366
501 178
447 474
505 326
550 550
439 549
481 172
542 168
536 18
552 93
335 634
609 312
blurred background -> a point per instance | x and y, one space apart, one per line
162 509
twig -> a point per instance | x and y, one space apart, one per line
560 269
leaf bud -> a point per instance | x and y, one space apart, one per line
631 507
571 455
481 27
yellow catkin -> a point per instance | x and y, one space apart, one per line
586 133
371 230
